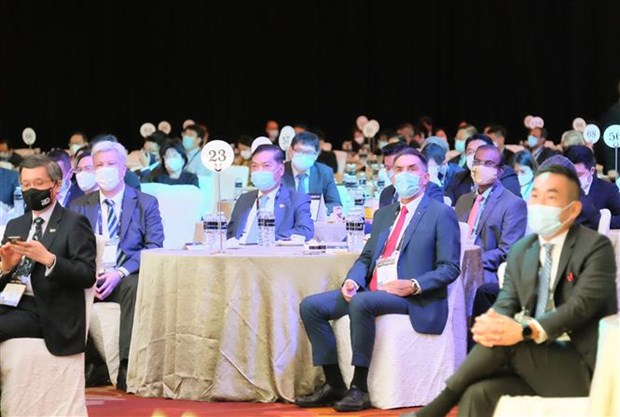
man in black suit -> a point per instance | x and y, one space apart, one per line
536 142
52 262
69 190
462 182
600 193
498 134
540 337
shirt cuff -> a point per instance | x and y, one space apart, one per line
542 334
357 287
48 270
124 271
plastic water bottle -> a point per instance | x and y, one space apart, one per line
221 229
18 201
354 224
210 230
266 228
238 188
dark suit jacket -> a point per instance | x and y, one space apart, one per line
292 213
140 226
74 193
59 297
9 180
328 158
447 179
584 290
387 195
463 183
501 224
545 154
321 181
430 253
604 194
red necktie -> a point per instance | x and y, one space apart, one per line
391 244
473 214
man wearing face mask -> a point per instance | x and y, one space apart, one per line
85 172
459 144
441 172
243 150
50 264
463 183
600 193
536 143
303 174
9 156
405 268
194 136
129 220
540 337
77 141
69 190
291 209
173 172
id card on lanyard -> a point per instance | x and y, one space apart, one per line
387 269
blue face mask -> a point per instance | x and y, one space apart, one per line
188 143
459 146
407 184
532 141
263 180
302 162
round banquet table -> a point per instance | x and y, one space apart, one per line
227 326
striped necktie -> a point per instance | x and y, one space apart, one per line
25 266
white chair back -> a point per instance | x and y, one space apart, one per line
605 222
464 228
341 158
501 271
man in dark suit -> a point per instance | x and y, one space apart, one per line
536 142
130 221
291 209
540 337
497 133
69 190
463 183
9 180
405 268
9 155
600 193
53 263
305 175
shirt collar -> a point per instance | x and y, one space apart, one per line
271 194
46 213
117 198
412 206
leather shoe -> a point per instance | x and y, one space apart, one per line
355 400
325 396
96 375
121 379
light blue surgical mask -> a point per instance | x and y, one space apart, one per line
188 143
302 162
532 141
459 146
263 180
545 220
407 184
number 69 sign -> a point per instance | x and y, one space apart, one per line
217 155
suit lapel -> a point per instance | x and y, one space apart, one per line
92 209
490 206
24 225
531 263
567 251
415 220
52 227
130 200
279 205
383 236
314 181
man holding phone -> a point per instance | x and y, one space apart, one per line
47 259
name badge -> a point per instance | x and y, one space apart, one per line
386 270
110 251
12 293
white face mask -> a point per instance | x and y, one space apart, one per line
246 154
545 220
86 180
469 160
75 147
107 178
174 164
585 181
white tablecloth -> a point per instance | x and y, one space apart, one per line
227 327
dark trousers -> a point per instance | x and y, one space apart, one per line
20 321
125 294
550 370
485 296
317 310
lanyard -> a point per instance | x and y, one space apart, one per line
483 204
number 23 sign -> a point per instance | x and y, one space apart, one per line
217 155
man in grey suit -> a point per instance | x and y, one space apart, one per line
496 217
405 268
290 208
304 174
540 337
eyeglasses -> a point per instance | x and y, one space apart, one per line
488 164
305 153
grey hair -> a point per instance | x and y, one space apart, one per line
572 137
106 146
36 161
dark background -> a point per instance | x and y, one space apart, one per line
98 66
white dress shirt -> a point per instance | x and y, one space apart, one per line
252 215
45 215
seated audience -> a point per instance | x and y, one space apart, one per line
290 208
77 141
600 193
68 190
194 137
540 337
497 133
305 175
525 167
146 160
56 270
427 259
174 171
536 144
130 222
131 178
463 183
8 155
462 134
85 172
9 181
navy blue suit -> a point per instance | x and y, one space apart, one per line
604 194
291 210
9 180
430 253
388 196
462 183
320 181
140 228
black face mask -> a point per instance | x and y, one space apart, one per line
38 200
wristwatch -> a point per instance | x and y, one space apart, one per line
527 332
414 286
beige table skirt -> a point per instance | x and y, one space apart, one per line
227 327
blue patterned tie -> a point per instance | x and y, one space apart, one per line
113 224
301 185
25 266
543 304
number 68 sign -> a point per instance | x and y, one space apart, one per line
217 155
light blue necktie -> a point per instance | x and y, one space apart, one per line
301 184
544 302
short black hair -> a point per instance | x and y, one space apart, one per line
568 174
172 144
80 133
543 131
580 154
410 151
41 160
306 138
478 136
158 137
393 148
434 152
497 129
244 140
102 137
278 155
58 155
82 153
200 131
525 158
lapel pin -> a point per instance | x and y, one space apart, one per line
281 205
52 230
570 277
